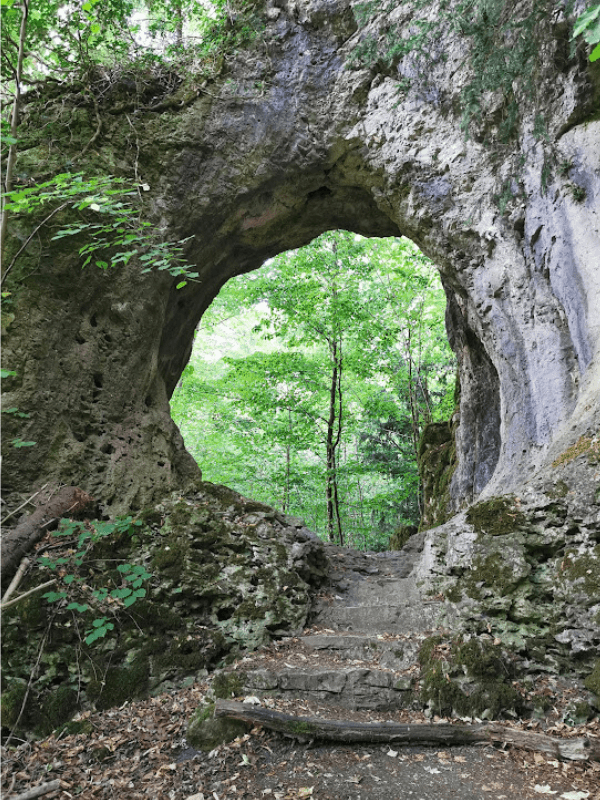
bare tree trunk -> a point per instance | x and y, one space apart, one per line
334 432
336 444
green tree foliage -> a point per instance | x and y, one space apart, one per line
313 397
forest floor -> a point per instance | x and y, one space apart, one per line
139 751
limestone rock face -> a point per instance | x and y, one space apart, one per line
283 144
525 568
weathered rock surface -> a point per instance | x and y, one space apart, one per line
227 574
525 568
282 144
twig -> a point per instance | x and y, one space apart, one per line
98 128
29 238
17 579
37 791
26 594
32 674
12 513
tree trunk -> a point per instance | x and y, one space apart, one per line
330 452
429 734
16 543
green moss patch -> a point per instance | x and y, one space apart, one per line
226 685
592 682
584 572
437 463
497 516
468 678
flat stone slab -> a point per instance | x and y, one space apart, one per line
354 688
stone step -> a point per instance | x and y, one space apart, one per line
390 653
391 619
355 688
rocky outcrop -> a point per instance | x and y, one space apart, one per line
525 568
281 143
219 574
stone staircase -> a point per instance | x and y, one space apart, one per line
360 649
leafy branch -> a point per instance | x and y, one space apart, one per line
116 223
78 595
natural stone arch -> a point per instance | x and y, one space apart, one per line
250 172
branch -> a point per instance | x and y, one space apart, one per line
17 579
37 791
29 238
18 599
429 734
29 499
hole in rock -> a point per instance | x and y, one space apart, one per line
312 379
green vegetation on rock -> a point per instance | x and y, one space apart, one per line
468 677
236 585
497 516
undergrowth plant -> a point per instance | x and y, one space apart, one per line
109 218
98 606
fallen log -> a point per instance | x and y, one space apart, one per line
68 500
429 734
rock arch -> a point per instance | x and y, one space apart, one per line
284 144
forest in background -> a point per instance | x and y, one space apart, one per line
312 379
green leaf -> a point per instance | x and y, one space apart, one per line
595 54
585 20
52 597
7 373
77 607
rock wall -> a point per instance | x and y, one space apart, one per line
283 143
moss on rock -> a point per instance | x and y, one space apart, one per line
227 575
437 463
205 733
592 682
401 536
226 685
467 677
497 516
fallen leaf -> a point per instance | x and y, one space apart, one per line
392 753
545 789
305 791
575 795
